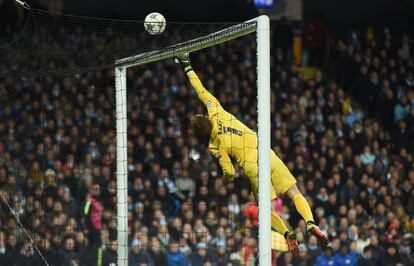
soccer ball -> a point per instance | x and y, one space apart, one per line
154 23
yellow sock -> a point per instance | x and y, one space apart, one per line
302 206
278 224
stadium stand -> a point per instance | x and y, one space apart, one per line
352 161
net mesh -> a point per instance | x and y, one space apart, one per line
58 145
66 45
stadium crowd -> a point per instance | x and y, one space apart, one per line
353 162
382 64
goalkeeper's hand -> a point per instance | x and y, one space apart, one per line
184 60
228 176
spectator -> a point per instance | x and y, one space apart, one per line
201 256
68 255
285 259
405 250
223 257
110 255
304 259
26 254
401 136
174 256
392 257
401 110
367 157
248 252
326 258
69 205
252 212
365 258
313 250
344 257
234 207
93 212
377 251
138 255
158 256
185 186
51 256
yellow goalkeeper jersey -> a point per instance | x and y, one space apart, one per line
229 137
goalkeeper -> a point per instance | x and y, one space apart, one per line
230 138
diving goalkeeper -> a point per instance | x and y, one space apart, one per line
230 138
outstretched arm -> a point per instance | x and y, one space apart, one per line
212 104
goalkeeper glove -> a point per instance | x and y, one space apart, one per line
228 177
184 60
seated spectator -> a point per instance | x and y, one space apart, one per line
313 249
138 255
201 256
343 256
222 257
405 250
110 255
158 256
185 186
392 257
377 251
401 110
367 157
326 258
366 258
174 256
68 254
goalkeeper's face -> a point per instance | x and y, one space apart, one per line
201 125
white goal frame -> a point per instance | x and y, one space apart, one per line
260 25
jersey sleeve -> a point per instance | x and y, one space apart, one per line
212 104
225 163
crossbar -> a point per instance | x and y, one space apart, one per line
196 44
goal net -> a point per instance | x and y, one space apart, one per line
235 147
87 153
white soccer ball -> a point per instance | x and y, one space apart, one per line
155 23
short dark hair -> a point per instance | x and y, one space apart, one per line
366 249
201 125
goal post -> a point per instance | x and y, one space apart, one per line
121 165
260 25
263 117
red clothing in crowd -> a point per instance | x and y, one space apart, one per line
94 209
252 213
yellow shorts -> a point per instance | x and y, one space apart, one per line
281 178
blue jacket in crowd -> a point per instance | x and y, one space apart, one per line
323 260
176 259
345 260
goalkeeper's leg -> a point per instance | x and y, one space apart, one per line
277 222
302 206
284 181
